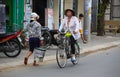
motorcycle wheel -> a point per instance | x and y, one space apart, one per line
16 49
47 39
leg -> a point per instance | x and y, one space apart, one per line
29 53
73 58
73 41
36 44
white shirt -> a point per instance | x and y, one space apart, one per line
80 26
73 26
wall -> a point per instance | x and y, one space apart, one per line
80 6
68 4
9 15
56 14
18 14
115 10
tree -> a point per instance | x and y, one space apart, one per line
103 5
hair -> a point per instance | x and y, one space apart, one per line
73 13
81 15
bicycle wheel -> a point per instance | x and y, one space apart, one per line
61 57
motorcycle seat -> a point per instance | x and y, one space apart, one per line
6 34
45 29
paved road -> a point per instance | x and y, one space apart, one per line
101 64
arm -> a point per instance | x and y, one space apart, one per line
62 25
38 29
83 39
77 24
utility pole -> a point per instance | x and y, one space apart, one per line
87 19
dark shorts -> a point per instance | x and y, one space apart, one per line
33 43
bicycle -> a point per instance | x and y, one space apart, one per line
64 50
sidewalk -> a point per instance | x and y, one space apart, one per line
96 43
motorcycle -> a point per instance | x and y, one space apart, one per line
53 38
47 37
10 44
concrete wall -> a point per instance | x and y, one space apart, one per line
80 6
56 13
68 4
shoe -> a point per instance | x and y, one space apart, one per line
35 64
73 60
25 61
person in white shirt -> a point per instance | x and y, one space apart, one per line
81 28
70 23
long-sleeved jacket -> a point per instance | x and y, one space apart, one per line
72 27
34 29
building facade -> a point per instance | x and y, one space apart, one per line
113 11
51 11
14 14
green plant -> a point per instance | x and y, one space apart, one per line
103 5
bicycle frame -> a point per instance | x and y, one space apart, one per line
65 43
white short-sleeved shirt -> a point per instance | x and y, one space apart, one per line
80 26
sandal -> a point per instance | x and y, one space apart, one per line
25 61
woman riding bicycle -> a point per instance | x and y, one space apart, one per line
71 24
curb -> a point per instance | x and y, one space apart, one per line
101 47
48 58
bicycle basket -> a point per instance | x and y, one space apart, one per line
68 34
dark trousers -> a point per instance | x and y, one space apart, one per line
33 43
72 42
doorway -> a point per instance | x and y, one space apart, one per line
39 7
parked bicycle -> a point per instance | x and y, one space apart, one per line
64 50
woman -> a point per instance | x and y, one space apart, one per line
70 23
34 32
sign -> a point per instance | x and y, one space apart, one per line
2 19
49 18
28 11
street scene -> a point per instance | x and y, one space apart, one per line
59 38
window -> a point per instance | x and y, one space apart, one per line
2 1
75 6
27 1
115 9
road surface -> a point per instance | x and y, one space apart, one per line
101 64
